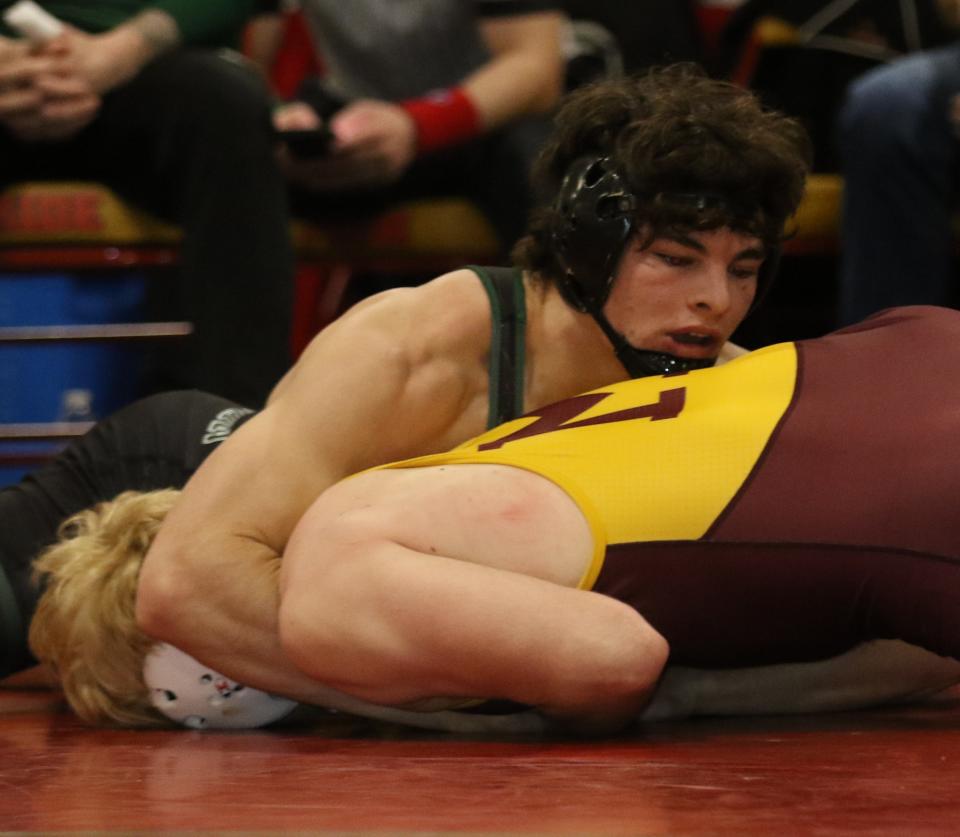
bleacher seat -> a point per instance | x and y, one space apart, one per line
84 228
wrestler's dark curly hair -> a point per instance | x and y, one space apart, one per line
674 130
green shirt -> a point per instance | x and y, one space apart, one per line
201 22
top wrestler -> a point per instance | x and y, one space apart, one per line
420 357
782 509
667 198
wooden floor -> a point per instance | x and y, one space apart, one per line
880 773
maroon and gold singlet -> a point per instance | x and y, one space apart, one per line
784 507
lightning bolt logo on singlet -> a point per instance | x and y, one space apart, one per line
557 416
646 459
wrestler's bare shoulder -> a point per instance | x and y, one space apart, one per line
448 311
418 353
449 314
442 322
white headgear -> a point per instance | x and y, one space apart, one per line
188 692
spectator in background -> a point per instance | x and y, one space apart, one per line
134 96
437 97
899 137
899 134
650 33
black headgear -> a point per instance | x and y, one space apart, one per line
597 212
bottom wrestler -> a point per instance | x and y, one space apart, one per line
156 443
784 509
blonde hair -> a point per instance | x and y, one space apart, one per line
85 625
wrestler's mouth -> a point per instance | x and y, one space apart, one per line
693 342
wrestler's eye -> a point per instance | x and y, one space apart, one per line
673 260
206 678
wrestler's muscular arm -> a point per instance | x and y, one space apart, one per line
430 586
585 660
382 383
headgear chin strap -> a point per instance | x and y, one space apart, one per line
641 363
598 210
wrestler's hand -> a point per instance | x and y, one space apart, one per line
374 144
42 97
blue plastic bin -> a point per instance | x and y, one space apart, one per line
46 382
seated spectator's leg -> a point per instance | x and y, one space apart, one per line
11 163
900 169
493 171
21 161
190 138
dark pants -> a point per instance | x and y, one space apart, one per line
493 172
902 185
189 139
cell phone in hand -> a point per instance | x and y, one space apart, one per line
309 143
32 22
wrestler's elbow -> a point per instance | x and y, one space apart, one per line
629 660
617 685
633 689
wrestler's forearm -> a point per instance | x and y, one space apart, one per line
872 674
223 612
226 616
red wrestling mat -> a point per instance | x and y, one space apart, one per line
884 773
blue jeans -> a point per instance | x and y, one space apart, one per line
899 153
